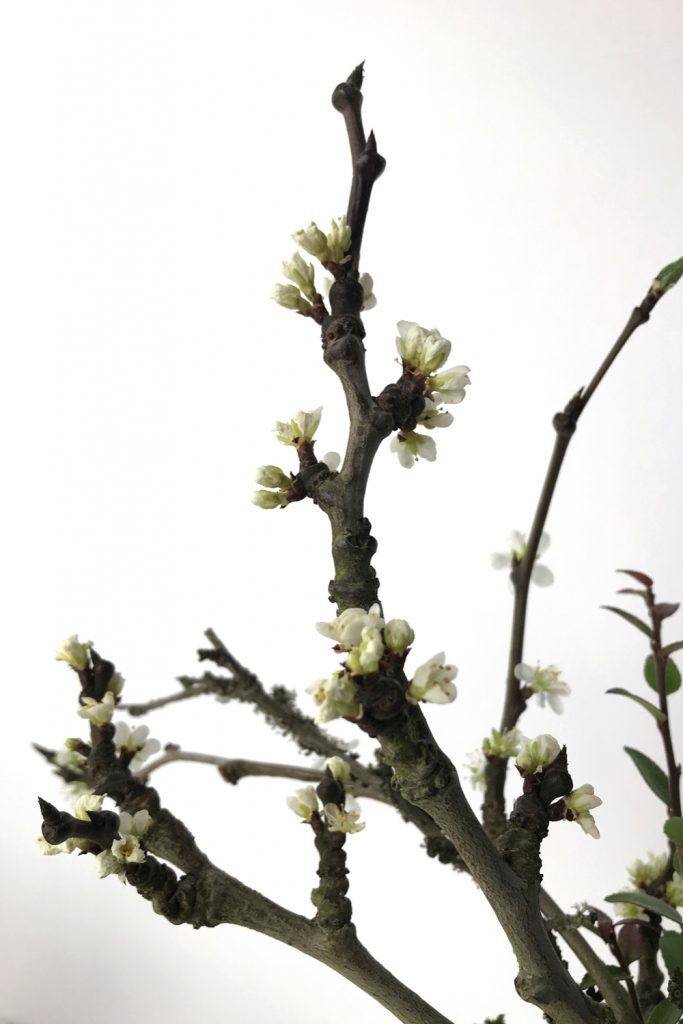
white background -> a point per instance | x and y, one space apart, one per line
157 157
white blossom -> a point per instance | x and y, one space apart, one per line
433 682
338 241
116 684
369 298
398 635
476 766
339 769
580 803
134 824
107 864
365 656
433 416
644 872
135 741
503 744
674 891
409 446
98 713
343 819
540 574
348 627
448 387
305 803
332 460
74 653
85 803
300 428
424 350
48 850
335 697
69 757
545 683
537 754
132 828
271 476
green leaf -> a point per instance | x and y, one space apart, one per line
672 677
633 619
651 773
651 903
673 827
665 1012
655 712
670 648
668 276
671 948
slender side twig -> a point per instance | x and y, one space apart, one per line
564 424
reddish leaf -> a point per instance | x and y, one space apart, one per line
605 925
641 577
662 610
638 593
630 941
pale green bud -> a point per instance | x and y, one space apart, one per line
268 499
398 635
305 803
74 653
537 754
289 296
271 476
339 769
339 240
301 273
312 240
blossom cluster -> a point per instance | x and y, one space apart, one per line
646 874
540 574
367 640
545 683
298 432
423 352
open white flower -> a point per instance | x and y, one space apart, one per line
343 819
74 653
433 682
132 828
98 713
578 806
434 416
537 754
335 697
69 756
448 387
545 683
644 872
85 803
135 741
300 428
476 766
410 446
422 349
540 574
365 657
304 803
347 628
48 850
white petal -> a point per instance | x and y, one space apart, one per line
542 576
500 560
543 544
525 672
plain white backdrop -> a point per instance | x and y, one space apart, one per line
157 158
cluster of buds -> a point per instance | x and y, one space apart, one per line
534 758
497 745
296 433
374 646
423 352
540 574
337 817
648 875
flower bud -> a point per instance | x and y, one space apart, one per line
339 240
289 296
312 240
305 803
339 769
398 635
271 476
74 653
301 273
268 499
537 754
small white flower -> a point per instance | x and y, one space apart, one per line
339 769
537 754
305 803
335 697
369 298
48 850
365 656
98 713
476 766
134 824
448 387
398 635
301 273
289 296
301 428
433 416
433 682
74 653
421 349
410 445
127 849
135 742
107 864
347 628
85 803
69 756
540 574
505 744
343 819
312 240
332 460
545 683
579 804
645 872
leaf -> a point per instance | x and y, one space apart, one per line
672 677
655 712
663 610
632 590
665 1012
673 828
668 276
670 648
671 948
651 903
641 577
651 773
633 619
631 942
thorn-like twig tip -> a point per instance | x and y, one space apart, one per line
356 76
